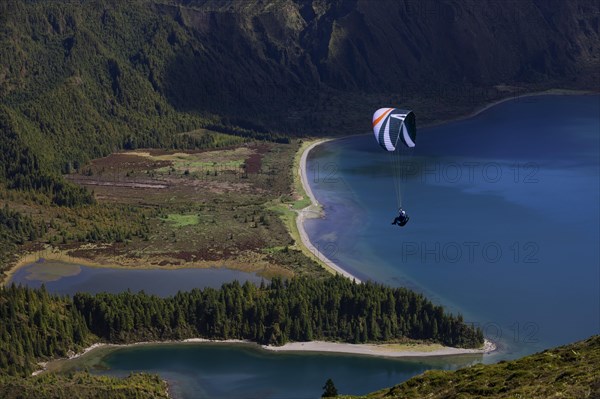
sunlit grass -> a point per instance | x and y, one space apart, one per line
182 220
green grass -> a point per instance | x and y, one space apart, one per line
182 163
288 217
83 385
199 164
182 220
274 250
301 204
287 208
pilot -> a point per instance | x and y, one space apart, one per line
401 219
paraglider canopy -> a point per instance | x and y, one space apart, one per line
396 132
394 127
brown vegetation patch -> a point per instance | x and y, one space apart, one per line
253 163
152 214
122 162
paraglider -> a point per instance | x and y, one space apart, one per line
396 132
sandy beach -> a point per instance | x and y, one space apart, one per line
380 350
311 211
385 350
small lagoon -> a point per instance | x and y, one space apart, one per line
68 278
224 371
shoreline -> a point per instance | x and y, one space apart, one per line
314 210
381 350
53 254
311 211
513 96
391 350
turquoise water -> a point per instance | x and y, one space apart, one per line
533 196
504 222
153 281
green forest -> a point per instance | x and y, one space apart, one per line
301 309
80 82
38 326
17 228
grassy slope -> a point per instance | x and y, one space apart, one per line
82 385
569 371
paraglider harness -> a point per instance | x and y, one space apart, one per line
401 219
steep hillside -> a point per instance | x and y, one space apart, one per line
81 79
70 84
324 65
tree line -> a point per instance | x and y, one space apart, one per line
37 325
299 309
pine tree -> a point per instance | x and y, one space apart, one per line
329 389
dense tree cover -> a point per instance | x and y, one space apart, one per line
15 229
36 325
299 309
33 231
106 223
18 228
82 385
20 169
80 81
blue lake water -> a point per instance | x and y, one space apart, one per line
161 282
504 229
504 213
